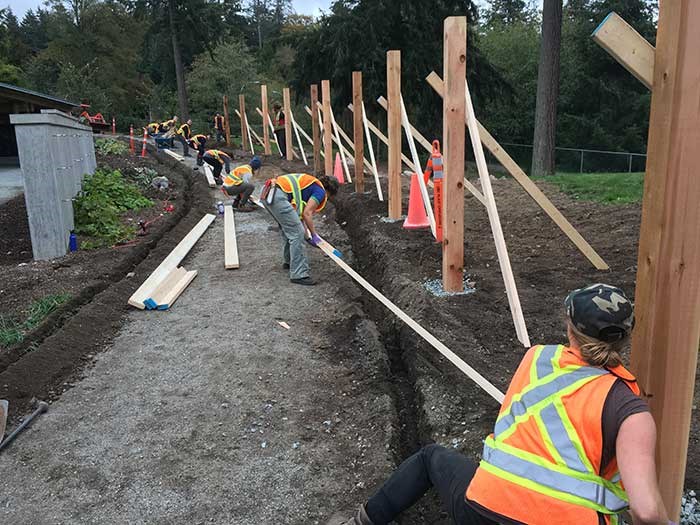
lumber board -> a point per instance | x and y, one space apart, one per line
307 137
358 140
340 144
209 174
501 248
250 139
172 260
254 133
296 133
351 152
244 128
173 154
381 136
667 309
427 146
176 291
373 161
274 140
163 289
530 187
433 341
230 242
393 82
627 46
417 168
264 114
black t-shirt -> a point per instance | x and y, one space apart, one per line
620 404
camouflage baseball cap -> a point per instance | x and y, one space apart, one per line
601 311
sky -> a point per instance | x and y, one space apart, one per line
306 7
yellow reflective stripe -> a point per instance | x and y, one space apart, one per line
547 491
535 409
533 369
573 435
547 439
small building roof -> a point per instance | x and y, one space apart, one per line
34 97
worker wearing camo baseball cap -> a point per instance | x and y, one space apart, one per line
573 441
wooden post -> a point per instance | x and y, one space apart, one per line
455 70
393 81
358 129
315 130
265 117
327 131
227 123
665 340
289 140
244 126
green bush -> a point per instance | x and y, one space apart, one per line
105 195
111 147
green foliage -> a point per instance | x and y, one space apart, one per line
12 330
105 195
143 176
608 188
111 147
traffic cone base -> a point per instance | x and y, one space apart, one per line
338 170
416 218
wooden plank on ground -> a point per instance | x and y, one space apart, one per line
501 248
209 174
170 262
159 294
627 46
667 306
529 186
480 380
174 155
230 243
427 146
173 293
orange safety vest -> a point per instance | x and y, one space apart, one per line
219 123
294 183
542 464
235 178
434 166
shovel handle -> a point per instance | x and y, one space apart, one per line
41 408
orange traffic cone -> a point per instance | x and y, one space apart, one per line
417 218
338 170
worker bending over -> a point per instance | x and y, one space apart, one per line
572 429
217 159
184 133
153 128
169 127
279 125
292 200
199 143
238 183
219 127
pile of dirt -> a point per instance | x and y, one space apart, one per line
100 284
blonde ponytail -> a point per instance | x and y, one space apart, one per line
596 352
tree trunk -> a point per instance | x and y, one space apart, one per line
179 68
547 90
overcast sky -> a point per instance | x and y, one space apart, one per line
306 7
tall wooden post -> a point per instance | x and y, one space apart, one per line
665 340
358 130
227 123
315 131
327 137
393 82
244 127
265 117
289 140
455 71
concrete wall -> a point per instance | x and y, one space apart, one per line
55 152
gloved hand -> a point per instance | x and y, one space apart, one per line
314 240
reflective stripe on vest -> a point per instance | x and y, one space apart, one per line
235 178
294 184
437 166
571 478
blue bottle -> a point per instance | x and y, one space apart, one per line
73 242
220 207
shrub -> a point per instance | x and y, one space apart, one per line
111 147
105 195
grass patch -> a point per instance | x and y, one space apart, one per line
608 188
13 330
111 147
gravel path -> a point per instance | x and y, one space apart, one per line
212 412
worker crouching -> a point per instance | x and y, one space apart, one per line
218 160
238 183
292 200
573 442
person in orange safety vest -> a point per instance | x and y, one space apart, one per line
573 442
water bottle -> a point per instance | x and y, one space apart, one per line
220 206
73 242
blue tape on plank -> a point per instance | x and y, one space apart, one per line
163 306
602 23
337 253
150 304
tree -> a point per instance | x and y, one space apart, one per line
508 12
179 68
547 90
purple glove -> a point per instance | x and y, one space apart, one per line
315 240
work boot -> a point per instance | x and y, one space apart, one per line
341 518
305 281
285 266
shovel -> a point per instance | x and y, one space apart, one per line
4 406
